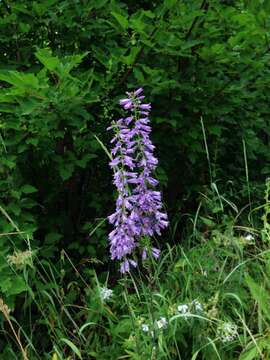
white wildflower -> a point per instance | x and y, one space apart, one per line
249 237
197 306
187 309
105 293
145 328
161 323
227 332
183 309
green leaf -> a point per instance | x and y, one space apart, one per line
99 3
85 160
73 347
66 171
45 57
260 294
207 221
13 285
28 189
122 20
138 75
27 106
70 62
32 141
15 209
249 354
170 3
24 27
85 326
5 284
52 238
129 59
21 80
137 24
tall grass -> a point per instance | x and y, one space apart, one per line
205 298
226 315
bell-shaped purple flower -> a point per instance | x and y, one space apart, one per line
138 212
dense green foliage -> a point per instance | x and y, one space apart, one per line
204 65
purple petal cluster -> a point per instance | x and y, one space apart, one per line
138 213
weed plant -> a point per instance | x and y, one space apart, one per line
208 300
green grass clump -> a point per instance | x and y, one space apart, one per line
209 300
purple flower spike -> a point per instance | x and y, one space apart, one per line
138 214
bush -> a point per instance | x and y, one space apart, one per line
64 65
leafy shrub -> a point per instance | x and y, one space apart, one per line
64 65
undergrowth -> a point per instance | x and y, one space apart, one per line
206 298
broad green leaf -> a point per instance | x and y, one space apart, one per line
129 59
84 161
170 3
47 59
97 4
249 354
21 80
52 238
28 189
260 294
122 20
18 286
66 171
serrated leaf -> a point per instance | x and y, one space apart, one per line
45 57
19 79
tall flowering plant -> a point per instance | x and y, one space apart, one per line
138 214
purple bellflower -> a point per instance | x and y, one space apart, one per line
138 214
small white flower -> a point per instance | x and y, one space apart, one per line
105 293
183 309
227 338
197 305
145 328
249 237
227 332
161 323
